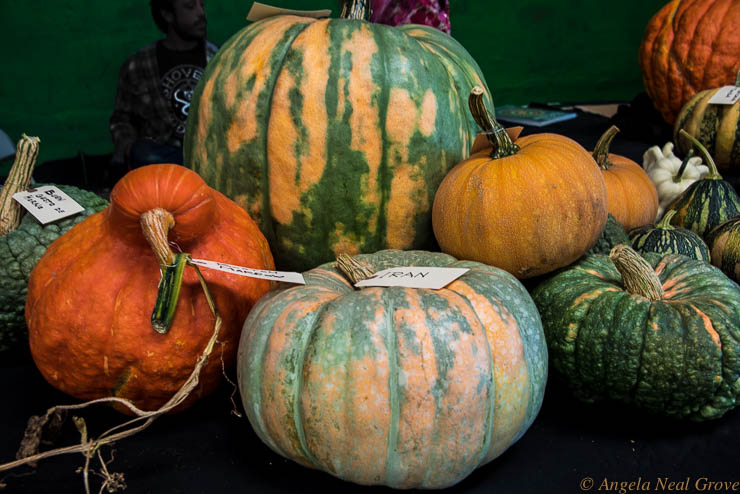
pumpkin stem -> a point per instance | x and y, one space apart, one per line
498 138
737 78
601 151
354 270
155 224
19 178
168 293
713 173
356 9
682 168
665 221
638 276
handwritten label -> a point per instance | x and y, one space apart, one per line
414 277
261 11
48 203
286 276
728 95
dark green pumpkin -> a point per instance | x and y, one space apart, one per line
707 202
665 340
665 238
21 249
613 234
724 244
333 134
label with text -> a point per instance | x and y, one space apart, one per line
728 95
48 203
286 276
261 11
414 277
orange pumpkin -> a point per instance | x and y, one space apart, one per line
633 198
527 205
90 297
689 46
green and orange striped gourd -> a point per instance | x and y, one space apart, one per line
724 244
404 387
333 133
714 125
707 202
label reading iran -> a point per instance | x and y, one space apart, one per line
48 203
285 276
414 277
728 95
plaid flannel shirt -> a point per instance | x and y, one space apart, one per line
140 109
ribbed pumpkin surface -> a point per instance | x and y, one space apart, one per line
676 356
665 238
715 126
396 386
334 134
689 46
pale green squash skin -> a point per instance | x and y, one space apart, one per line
359 182
663 356
342 380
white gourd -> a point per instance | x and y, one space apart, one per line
662 166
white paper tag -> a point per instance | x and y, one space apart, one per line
286 276
414 277
48 203
728 95
261 11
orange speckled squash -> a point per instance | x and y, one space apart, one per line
633 198
528 205
689 46
90 297
404 387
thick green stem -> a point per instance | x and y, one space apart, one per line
356 9
638 276
601 151
713 173
168 293
498 138
354 270
19 179
682 168
665 221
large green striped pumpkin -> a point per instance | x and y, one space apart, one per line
672 349
396 386
333 133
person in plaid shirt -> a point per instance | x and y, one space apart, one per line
155 85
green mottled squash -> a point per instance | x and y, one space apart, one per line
22 243
333 133
613 234
724 244
397 386
707 202
657 332
664 238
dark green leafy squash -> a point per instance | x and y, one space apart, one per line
612 235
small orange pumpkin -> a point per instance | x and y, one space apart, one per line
527 205
90 297
633 198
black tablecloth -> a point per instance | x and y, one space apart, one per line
207 449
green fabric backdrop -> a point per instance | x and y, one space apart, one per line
60 58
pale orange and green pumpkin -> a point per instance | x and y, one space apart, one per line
404 387
333 133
